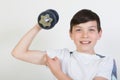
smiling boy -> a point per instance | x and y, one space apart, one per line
80 64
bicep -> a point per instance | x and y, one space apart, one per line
32 56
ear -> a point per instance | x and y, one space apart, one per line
100 34
70 33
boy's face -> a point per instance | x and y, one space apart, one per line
85 36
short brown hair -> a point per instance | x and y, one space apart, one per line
83 16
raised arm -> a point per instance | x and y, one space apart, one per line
22 52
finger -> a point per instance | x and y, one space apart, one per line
56 58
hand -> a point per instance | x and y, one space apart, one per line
55 67
54 64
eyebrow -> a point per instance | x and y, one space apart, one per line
77 26
92 27
88 27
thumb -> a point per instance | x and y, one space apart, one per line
56 58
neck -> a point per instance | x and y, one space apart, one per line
87 52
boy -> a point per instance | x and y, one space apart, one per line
81 64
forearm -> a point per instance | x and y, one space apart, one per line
24 43
62 76
22 52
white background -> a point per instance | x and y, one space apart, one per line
18 16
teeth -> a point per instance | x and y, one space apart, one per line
85 42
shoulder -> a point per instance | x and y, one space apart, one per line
105 67
106 61
106 64
105 57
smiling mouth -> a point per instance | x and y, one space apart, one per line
85 42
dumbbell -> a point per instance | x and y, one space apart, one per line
48 18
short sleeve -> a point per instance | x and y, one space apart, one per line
105 68
60 53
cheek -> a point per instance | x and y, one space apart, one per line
73 35
77 36
95 37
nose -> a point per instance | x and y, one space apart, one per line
85 34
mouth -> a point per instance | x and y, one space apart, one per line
85 42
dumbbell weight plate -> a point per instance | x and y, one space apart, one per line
48 19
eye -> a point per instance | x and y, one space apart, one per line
91 29
78 29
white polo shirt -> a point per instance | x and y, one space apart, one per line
82 66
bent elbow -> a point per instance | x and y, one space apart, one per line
15 54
